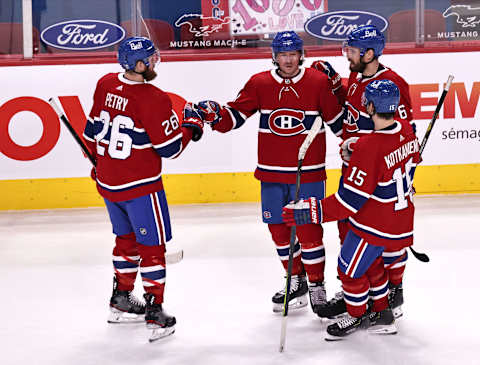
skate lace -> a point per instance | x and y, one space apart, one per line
346 321
338 297
392 294
134 300
294 284
318 295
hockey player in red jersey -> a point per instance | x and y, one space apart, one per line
289 99
362 49
130 128
375 194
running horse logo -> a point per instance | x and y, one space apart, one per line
195 22
466 15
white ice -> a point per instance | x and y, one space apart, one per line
56 273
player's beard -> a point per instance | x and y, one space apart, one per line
358 67
149 75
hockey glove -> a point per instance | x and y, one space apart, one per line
346 148
328 70
209 110
301 212
193 120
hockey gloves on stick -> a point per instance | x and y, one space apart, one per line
328 70
346 148
209 110
301 212
193 120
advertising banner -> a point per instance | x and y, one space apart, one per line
34 144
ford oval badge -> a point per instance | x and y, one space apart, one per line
82 34
336 25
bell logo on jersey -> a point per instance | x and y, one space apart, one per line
286 122
353 115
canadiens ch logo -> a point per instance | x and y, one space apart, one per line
286 122
353 115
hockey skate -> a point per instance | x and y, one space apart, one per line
161 324
318 295
125 307
382 323
332 309
344 327
298 295
395 299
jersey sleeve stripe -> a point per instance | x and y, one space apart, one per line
336 123
171 140
341 201
172 150
237 117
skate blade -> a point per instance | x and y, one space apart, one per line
294 304
397 312
387 329
117 316
160 332
331 338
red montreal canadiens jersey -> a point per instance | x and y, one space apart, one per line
376 190
131 125
356 120
288 109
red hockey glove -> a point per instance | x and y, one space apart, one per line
328 70
193 120
346 148
301 212
209 110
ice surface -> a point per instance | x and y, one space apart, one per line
56 277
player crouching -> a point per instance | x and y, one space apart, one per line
376 197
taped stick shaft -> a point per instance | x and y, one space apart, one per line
72 131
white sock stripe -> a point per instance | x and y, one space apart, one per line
363 302
313 249
145 269
121 258
127 271
380 287
393 254
356 295
313 261
295 254
376 297
397 265
148 283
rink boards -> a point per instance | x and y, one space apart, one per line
42 167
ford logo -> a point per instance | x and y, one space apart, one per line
82 34
336 25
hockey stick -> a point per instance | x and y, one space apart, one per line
170 258
419 255
435 114
301 154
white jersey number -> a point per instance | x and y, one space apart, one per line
171 124
120 143
402 201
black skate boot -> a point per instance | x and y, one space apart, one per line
334 308
318 295
157 320
125 307
298 295
395 299
382 323
344 327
